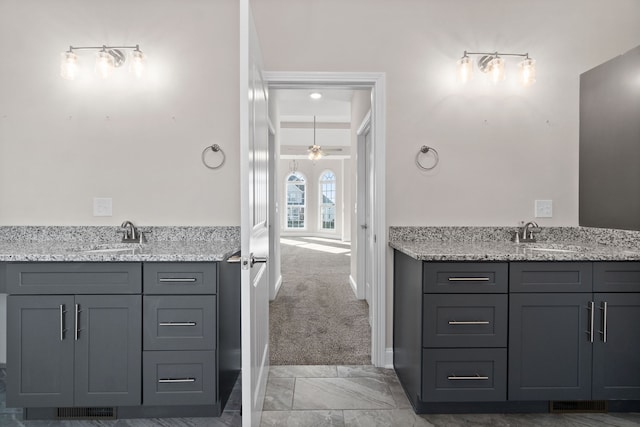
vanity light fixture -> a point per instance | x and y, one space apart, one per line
492 63
108 58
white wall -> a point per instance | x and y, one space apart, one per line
501 147
312 170
139 142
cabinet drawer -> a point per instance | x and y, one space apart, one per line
550 277
179 378
464 320
74 278
180 278
482 277
616 277
455 375
174 322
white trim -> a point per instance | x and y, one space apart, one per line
376 81
354 285
366 122
388 358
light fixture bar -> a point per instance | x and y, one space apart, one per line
72 48
524 55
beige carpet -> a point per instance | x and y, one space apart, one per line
316 318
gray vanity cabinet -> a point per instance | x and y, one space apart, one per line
67 350
616 348
549 346
75 334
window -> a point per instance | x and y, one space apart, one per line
328 201
296 200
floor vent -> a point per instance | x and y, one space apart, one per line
569 406
86 413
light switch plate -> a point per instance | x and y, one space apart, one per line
544 208
102 206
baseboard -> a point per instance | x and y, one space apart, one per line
354 285
388 358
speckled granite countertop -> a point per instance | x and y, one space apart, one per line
100 244
493 244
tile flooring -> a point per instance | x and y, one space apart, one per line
366 396
349 396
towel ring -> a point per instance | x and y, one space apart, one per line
216 149
424 150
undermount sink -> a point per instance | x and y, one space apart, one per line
123 248
553 247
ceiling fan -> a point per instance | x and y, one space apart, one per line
315 151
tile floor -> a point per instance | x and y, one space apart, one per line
318 396
366 396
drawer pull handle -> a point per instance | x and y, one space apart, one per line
471 322
177 380
177 323
468 279
454 377
62 329
177 280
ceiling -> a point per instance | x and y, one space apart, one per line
333 121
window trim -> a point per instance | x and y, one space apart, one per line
286 201
321 229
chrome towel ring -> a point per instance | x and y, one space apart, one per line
424 150
216 149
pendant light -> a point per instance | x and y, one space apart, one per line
315 151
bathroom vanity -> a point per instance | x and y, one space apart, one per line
146 331
505 327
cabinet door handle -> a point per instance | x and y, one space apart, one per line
591 308
470 322
176 380
468 279
177 280
177 323
454 377
77 328
62 329
603 332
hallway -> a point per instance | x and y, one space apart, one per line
316 318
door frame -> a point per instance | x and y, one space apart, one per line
376 82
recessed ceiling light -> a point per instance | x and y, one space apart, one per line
315 95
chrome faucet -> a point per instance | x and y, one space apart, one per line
131 234
526 233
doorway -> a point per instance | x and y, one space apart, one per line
374 233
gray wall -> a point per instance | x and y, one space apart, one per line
610 144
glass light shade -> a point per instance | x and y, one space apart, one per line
496 68
69 65
104 64
528 71
315 152
465 69
136 66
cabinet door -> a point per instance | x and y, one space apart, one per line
616 371
108 350
40 351
550 346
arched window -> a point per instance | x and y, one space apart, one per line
296 200
327 201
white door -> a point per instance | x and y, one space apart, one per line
254 167
369 266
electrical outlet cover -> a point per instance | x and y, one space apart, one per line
544 208
102 206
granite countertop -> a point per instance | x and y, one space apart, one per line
177 251
493 244
101 244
